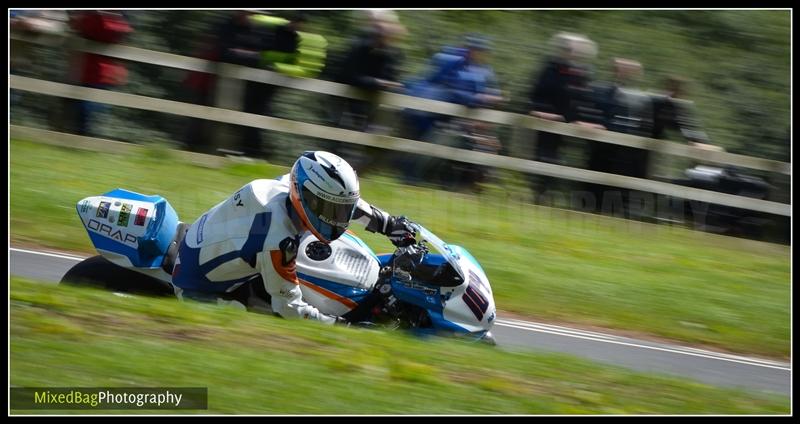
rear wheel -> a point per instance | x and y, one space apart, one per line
99 272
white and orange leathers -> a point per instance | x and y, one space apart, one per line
253 232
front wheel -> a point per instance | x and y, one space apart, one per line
99 272
489 339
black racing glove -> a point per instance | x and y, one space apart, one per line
398 228
400 231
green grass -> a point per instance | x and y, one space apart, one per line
67 336
545 263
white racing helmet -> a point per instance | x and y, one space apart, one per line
324 193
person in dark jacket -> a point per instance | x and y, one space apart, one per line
673 111
371 64
243 41
560 92
626 110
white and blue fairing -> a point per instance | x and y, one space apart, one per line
344 277
465 308
129 229
336 277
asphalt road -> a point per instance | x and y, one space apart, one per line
705 366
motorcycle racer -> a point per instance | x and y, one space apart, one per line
256 231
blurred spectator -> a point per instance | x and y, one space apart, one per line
49 24
371 64
36 23
674 112
675 118
93 70
199 89
626 110
560 92
459 75
258 40
239 41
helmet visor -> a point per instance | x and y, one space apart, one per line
329 218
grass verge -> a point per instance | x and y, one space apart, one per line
255 364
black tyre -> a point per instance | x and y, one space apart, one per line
99 272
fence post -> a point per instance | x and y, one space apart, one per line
229 94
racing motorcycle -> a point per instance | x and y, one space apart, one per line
428 288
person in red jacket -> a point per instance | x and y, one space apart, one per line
94 70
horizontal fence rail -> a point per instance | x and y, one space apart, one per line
238 72
391 143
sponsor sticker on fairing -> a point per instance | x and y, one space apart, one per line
84 206
141 215
124 214
102 209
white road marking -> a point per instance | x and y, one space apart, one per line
565 332
706 354
55 255
572 331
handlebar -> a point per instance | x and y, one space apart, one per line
406 259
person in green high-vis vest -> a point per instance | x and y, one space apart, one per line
282 47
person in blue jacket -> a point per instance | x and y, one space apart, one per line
460 75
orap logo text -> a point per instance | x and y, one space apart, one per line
108 230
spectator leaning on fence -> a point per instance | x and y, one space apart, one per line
459 75
274 43
371 64
46 25
674 112
626 110
560 92
36 23
94 70
199 88
246 39
675 118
